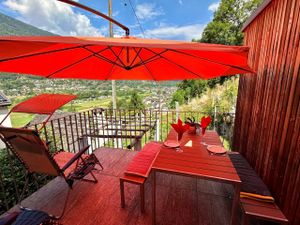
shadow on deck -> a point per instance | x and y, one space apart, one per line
180 200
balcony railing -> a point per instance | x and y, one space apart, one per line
127 129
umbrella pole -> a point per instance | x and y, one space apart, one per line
113 82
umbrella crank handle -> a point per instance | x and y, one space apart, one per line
70 2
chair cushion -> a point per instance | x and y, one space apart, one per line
9 218
252 185
62 158
31 217
142 162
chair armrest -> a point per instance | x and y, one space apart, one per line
9 218
75 158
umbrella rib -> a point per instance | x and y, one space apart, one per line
152 58
209 60
110 72
135 57
118 58
103 58
40 53
113 65
182 67
74 63
146 66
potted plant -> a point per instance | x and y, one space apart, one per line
194 126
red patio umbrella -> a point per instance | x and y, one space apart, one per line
124 58
45 104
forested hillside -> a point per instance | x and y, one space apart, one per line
10 26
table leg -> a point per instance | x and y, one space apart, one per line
235 203
154 198
245 219
142 194
122 193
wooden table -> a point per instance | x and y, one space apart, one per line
197 162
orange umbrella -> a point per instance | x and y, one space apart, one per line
124 58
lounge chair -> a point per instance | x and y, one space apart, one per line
34 153
28 217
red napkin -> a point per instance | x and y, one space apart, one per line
205 121
179 128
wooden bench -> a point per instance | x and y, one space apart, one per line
261 210
133 180
138 171
251 207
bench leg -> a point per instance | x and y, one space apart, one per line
235 204
245 219
122 193
142 193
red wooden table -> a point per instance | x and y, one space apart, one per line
197 162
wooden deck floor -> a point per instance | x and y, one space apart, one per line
181 200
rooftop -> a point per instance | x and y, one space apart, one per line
256 13
4 101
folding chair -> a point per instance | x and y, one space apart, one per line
34 153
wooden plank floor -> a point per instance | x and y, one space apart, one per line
181 200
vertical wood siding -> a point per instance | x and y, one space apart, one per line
267 126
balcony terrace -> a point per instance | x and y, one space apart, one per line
181 200
115 137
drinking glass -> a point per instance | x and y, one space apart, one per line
202 138
179 137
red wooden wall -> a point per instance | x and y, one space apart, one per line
267 126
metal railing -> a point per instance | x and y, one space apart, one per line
126 129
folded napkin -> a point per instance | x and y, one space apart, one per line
179 128
189 144
205 121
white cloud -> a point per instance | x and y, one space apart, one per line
187 32
115 13
53 16
148 11
180 2
214 6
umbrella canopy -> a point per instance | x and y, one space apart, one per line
124 58
43 103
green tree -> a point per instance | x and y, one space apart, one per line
225 28
178 96
192 88
187 90
121 104
136 101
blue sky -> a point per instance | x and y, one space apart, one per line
165 19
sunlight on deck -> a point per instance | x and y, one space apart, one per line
180 200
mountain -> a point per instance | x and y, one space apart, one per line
11 26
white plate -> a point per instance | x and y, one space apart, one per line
216 149
171 144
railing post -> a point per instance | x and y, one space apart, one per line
157 129
215 117
138 144
177 110
83 142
